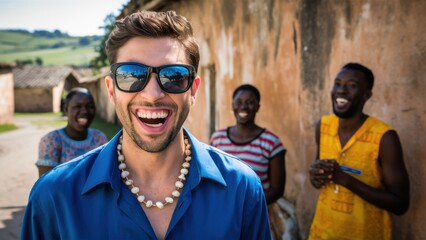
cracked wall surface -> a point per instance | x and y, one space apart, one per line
291 50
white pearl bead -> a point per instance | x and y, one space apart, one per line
179 184
148 203
169 200
141 198
176 193
119 147
182 177
184 171
124 174
120 158
187 152
185 164
135 190
129 182
188 159
160 205
122 166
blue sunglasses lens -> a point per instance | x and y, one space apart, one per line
131 78
134 77
174 78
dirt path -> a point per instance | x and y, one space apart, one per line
18 153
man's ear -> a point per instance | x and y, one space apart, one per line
368 94
194 89
109 84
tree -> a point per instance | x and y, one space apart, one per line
58 33
23 62
84 41
102 60
39 61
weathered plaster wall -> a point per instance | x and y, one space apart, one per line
291 50
104 107
56 97
26 102
7 105
389 37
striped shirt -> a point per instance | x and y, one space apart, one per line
256 153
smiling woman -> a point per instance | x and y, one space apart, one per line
76 138
258 147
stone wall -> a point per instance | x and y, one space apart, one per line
291 50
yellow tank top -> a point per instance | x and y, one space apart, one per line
340 214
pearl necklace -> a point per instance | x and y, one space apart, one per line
135 190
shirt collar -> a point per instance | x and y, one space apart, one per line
204 164
105 166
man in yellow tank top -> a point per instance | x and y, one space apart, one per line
359 169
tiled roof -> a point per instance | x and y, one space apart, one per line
6 65
83 74
28 76
86 75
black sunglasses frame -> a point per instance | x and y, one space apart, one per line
156 70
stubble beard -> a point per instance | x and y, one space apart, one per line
350 112
154 144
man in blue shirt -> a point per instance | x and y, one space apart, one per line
153 180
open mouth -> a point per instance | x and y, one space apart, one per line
242 114
341 102
153 119
82 121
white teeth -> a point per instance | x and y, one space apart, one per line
242 114
152 115
82 120
154 125
341 101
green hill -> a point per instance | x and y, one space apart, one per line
49 48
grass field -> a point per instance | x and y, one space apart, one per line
15 42
7 127
108 128
59 56
62 50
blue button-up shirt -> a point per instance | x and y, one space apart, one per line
86 199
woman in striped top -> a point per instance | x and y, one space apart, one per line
261 149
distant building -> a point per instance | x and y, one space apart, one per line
41 88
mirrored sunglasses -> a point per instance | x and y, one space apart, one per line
133 77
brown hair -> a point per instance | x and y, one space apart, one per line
153 25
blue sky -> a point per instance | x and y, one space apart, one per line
75 17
